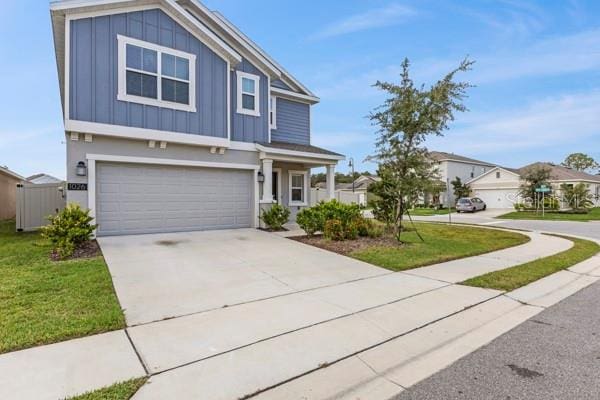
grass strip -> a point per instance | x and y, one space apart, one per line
442 243
43 301
120 391
520 275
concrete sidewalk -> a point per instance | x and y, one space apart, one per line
305 344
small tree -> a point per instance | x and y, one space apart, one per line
533 178
405 120
577 196
460 189
580 162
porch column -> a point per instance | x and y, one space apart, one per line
330 180
267 170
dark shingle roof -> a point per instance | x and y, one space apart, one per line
306 148
440 156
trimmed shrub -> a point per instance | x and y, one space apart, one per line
315 219
276 217
69 229
310 220
334 230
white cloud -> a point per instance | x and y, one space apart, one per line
571 120
375 18
555 56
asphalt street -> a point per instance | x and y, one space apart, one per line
555 355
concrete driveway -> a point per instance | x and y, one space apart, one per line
169 275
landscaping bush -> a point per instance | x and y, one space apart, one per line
315 219
551 203
276 217
370 228
334 230
580 211
310 220
69 229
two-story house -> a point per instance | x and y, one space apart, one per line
175 120
450 166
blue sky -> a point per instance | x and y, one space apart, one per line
537 72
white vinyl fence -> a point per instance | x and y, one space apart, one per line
36 202
343 196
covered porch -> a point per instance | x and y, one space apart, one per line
285 174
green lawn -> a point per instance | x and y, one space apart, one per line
42 301
593 215
521 275
442 243
425 212
119 391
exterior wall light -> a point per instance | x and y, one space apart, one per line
81 169
260 177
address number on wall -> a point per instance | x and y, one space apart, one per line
77 186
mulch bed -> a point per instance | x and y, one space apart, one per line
273 230
348 246
87 250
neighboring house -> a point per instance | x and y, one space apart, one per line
39 179
176 121
450 166
8 192
361 184
500 186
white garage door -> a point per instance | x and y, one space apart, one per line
134 198
497 198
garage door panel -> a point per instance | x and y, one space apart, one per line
151 199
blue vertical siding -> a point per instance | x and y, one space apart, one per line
94 75
293 122
278 83
248 128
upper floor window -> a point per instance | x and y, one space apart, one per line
273 112
155 75
497 174
248 94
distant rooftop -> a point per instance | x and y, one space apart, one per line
443 156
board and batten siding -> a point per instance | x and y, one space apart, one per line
293 122
278 83
94 75
249 128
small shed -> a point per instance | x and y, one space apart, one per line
8 192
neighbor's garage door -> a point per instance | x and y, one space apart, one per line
134 198
497 198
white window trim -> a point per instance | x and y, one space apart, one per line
256 79
304 189
122 95
273 111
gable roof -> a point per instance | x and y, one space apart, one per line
513 171
210 27
561 173
43 178
286 77
443 156
6 171
557 173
